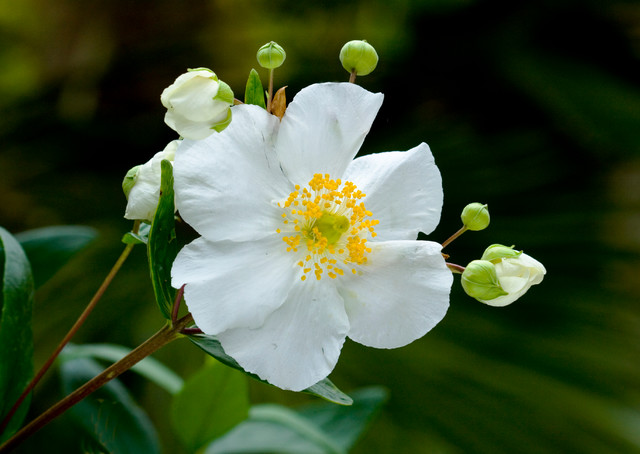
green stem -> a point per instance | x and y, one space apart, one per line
168 333
454 236
74 329
270 92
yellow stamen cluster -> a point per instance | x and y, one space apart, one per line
328 218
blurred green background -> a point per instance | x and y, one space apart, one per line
531 106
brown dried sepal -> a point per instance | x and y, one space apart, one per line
279 104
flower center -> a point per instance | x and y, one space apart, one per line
330 223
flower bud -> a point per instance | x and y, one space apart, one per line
130 180
475 216
480 281
358 56
142 185
516 272
271 55
197 103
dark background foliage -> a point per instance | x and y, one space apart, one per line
530 106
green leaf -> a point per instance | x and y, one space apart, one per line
149 368
109 414
212 401
50 248
254 92
318 428
275 429
324 389
16 339
346 424
142 237
162 246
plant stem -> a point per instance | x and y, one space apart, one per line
74 329
454 236
456 269
168 333
270 92
352 77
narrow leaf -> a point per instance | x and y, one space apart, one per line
162 247
324 389
211 402
109 414
50 248
150 368
254 92
16 340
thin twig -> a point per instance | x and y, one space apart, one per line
74 329
167 334
454 236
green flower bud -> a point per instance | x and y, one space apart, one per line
497 252
358 56
480 281
475 216
271 55
130 180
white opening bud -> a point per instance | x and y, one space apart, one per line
516 272
197 103
143 185
358 56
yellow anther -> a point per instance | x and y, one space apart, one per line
331 221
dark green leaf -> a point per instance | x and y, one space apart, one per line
142 237
346 424
275 429
150 368
254 92
162 247
16 340
109 414
211 402
318 428
50 248
324 388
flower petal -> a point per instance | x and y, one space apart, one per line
299 344
233 284
323 129
385 177
226 184
400 294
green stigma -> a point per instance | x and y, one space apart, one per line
332 226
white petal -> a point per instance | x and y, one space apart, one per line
299 344
323 129
188 129
401 294
226 184
233 284
403 191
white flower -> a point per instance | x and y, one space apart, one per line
197 103
516 272
144 195
294 257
